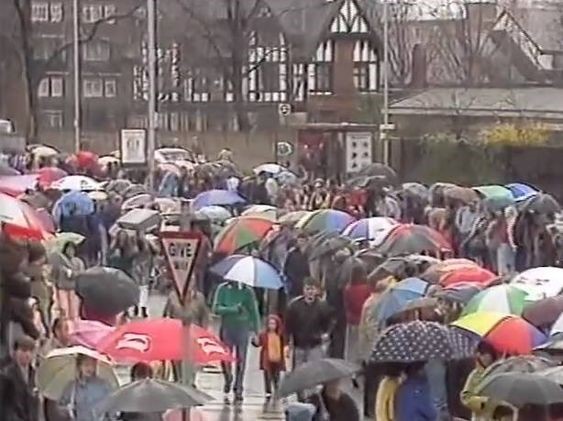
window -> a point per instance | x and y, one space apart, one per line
96 51
52 119
93 88
92 13
56 12
110 88
109 11
51 86
40 12
323 77
361 76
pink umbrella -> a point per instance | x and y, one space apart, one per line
48 175
14 185
89 333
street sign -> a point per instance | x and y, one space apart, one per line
133 146
181 250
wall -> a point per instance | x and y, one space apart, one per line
249 149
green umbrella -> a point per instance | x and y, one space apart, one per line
504 299
496 197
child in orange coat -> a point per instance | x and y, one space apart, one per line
271 342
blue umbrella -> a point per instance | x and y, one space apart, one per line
218 198
248 270
521 191
396 299
75 202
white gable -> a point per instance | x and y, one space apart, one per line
349 20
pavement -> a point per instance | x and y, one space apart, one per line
254 406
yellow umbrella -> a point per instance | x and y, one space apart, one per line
58 369
481 322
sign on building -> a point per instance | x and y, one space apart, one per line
181 250
133 146
358 150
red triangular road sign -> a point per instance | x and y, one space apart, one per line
181 249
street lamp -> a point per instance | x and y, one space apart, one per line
151 112
385 127
76 71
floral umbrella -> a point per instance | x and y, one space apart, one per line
242 232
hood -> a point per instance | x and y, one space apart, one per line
280 328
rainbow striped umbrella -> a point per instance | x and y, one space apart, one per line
242 232
503 299
325 220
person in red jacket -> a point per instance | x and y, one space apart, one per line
355 295
272 343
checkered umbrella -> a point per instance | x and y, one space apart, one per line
421 341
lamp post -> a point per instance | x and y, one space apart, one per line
76 71
151 111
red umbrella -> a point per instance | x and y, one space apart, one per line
413 239
14 185
20 220
49 175
87 159
163 340
468 275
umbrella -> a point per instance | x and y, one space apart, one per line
20 219
75 203
379 169
76 182
107 290
314 373
507 334
42 151
462 194
468 275
61 239
151 396
421 341
541 203
292 218
8 171
214 213
169 167
118 186
15 185
140 201
88 333
544 312
217 197
98 196
495 197
521 191
397 297
262 211
134 190
435 272
48 175
269 168
413 239
329 246
520 389
460 293
248 270
242 232
58 369
415 190
540 282
557 327
374 229
325 220
106 160
163 339
519 364
500 299
286 177
87 159
553 372
370 258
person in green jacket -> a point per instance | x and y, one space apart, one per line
237 306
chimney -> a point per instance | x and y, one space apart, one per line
419 67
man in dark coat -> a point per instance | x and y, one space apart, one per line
18 395
296 267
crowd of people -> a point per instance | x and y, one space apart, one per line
336 283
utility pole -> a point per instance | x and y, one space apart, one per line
385 126
151 112
76 71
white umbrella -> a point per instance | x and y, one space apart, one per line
264 211
58 369
539 283
269 168
42 151
76 182
104 161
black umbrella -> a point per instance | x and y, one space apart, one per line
544 312
107 290
421 341
415 190
329 246
521 389
370 258
541 203
519 364
150 396
379 169
458 293
314 373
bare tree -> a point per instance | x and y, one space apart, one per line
19 39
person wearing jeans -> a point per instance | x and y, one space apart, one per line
236 304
